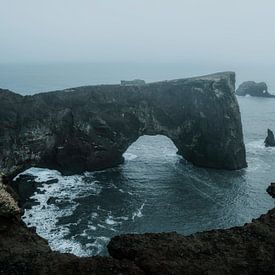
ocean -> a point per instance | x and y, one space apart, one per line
155 190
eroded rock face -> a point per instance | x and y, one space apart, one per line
89 128
253 89
270 140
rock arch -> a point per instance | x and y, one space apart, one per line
89 128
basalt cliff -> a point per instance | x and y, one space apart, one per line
89 128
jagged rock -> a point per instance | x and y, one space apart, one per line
25 187
270 140
51 200
271 190
253 89
8 205
89 128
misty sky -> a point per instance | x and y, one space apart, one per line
137 30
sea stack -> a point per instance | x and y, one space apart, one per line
252 88
270 140
271 190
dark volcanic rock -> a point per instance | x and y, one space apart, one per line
240 250
249 249
89 128
271 190
22 251
51 200
25 187
270 140
253 89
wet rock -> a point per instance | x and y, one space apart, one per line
29 204
8 205
253 89
25 187
51 200
89 128
271 190
270 140
52 181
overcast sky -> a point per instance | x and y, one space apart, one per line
137 30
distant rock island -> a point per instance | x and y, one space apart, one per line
252 88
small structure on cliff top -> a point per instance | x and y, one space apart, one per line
135 82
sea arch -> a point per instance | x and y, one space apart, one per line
89 128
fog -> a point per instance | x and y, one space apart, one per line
139 31
207 36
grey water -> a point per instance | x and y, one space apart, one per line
155 190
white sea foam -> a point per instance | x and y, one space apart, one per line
92 227
129 156
123 218
45 216
256 155
98 245
138 213
110 220
255 145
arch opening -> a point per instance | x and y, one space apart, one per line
152 148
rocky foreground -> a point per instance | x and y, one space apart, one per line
249 249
